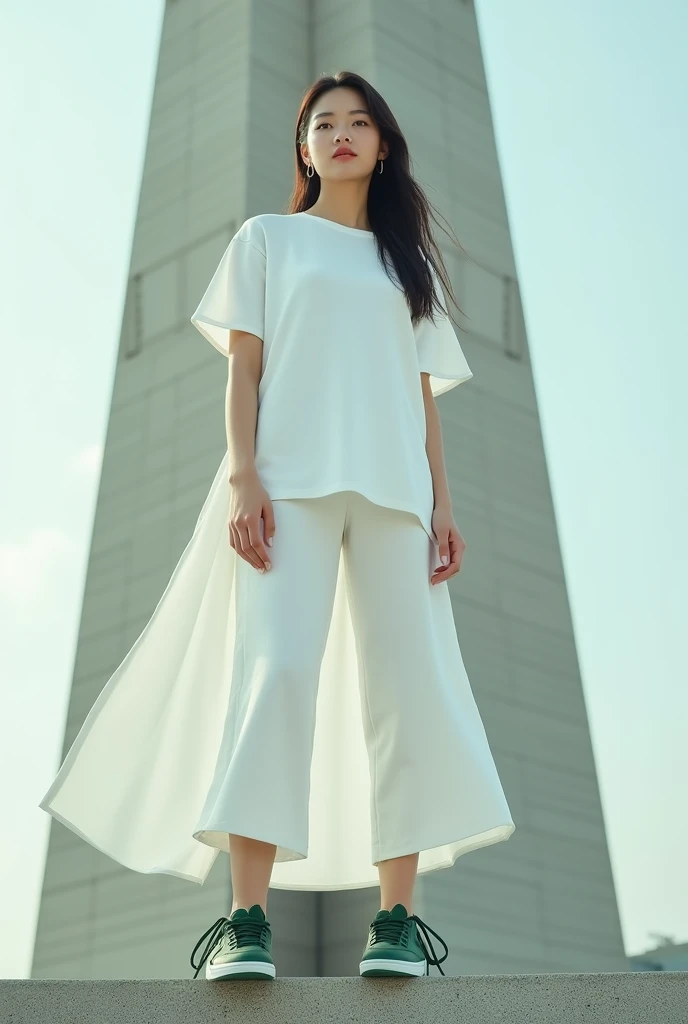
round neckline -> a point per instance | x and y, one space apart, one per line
335 224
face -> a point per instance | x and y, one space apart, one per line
340 118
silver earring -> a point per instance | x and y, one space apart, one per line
381 167
310 171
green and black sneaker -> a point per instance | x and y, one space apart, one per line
239 946
395 947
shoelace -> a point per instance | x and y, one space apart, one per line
391 929
241 931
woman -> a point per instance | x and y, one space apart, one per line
298 698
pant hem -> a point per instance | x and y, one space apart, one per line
217 836
464 845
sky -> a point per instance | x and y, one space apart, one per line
588 102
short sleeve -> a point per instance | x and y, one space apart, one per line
235 297
439 351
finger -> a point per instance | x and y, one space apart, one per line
256 542
445 572
443 578
246 548
456 551
268 524
450 559
236 540
444 552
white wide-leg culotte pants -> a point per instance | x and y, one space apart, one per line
432 776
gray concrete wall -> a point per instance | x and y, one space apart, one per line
220 149
536 998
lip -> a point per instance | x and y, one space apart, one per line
335 156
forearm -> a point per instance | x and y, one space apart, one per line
435 453
241 417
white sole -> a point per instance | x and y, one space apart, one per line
398 966
213 972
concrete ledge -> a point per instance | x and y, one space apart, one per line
635 997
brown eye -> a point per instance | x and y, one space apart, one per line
323 123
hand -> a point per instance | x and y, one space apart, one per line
251 508
450 541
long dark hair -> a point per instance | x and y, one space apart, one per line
399 212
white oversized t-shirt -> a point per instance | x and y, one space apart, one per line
340 397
